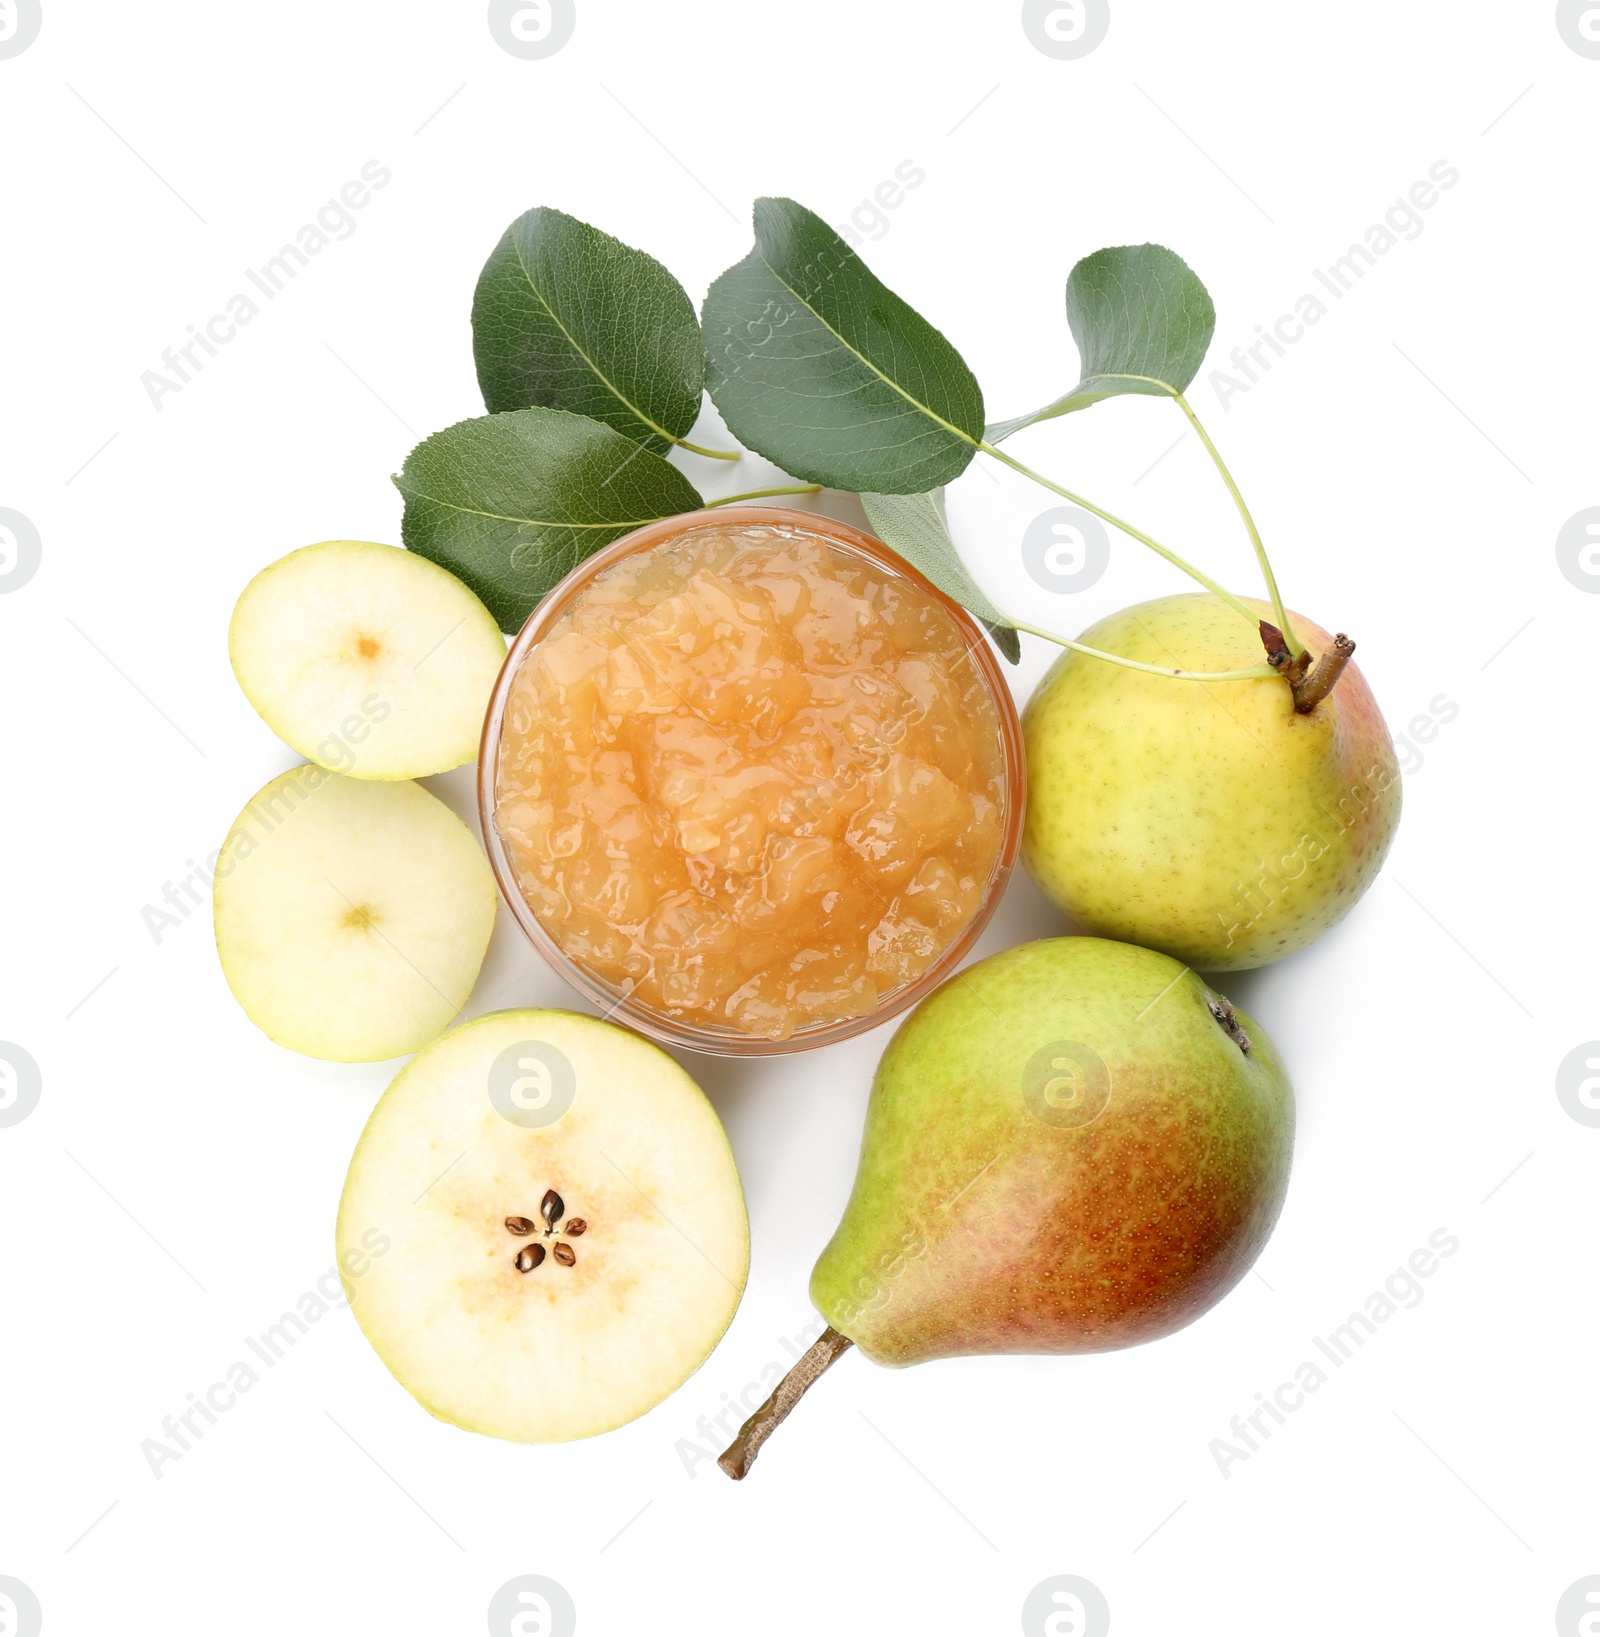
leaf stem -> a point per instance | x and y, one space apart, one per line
1127 528
1296 647
761 494
1139 665
710 454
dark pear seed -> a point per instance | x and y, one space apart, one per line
529 1257
551 1208
520 1226
564 1254
575 1227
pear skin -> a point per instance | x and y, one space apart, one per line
1070 1147
1210 820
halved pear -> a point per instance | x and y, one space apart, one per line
352 918
542 1233
367 659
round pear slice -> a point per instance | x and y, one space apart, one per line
352 918
368 659
542 1233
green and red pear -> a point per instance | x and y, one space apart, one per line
1070 1147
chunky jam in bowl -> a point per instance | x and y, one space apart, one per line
753 780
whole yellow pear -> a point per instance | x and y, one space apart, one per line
1209 820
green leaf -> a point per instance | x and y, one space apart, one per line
566 317
512 503
1143 323
914 526
823 369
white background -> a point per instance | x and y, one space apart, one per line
1411 461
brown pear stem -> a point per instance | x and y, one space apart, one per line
739 1456
1320 679
1310 683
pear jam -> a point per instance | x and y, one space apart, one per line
752 780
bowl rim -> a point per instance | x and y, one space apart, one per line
621 1008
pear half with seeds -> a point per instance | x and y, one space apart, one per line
352 918
367 659
566 1233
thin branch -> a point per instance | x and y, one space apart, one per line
1295 646
761 494
710 454
1139 665
1127 528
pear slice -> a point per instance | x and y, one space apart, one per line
352 918
542 1233
367 659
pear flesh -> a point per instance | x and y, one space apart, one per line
542 1232
366 658
1210 820
1072 1147
352 917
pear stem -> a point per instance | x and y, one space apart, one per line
1320 680
737 1458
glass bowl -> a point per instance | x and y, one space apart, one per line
620 1006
